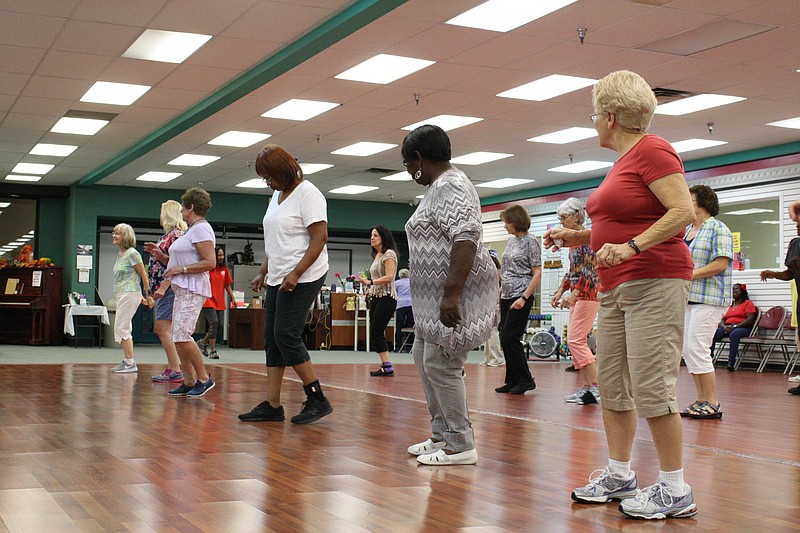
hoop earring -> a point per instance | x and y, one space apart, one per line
417 175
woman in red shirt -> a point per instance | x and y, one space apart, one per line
214 308
736 323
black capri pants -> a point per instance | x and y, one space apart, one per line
380 314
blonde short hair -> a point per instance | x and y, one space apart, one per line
127 236
171 216
628 97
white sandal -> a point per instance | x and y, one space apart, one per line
422 448
440 458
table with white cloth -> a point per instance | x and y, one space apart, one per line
99 311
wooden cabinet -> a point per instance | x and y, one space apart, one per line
343 324
34 314
246 328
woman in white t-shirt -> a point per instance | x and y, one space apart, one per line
191 256
295 265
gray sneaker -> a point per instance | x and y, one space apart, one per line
124 367
573 398
604 486
657 503
592 395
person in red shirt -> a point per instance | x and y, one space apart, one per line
736 323
214 308
639 213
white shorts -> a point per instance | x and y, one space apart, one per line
185 312
700 324
127 304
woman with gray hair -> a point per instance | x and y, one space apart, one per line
639 213
128 270
404 315
580 284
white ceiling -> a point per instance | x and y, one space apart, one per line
52 51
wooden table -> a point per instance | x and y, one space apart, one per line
246 328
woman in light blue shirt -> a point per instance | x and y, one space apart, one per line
128 272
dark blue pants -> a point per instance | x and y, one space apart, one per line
403 318
284 322
735 336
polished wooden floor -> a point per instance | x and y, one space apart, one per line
82 449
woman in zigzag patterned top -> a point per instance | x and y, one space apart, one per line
454 292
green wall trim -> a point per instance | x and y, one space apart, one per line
347 21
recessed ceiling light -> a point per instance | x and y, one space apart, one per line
353 189
311 168
400 176
504 183
60 150
108 92
162 177
15 244
239 139
547 87
78 126
384 68
565 136
751 211
793 123
446 122
298 109
479 158
769 222
165 46
32 168
255 183
695 144
583 166
420 196
505 15
363 149
696 103
5 204
15 177
193 160
23 239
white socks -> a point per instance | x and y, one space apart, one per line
674 482
620 469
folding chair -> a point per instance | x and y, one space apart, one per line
784 343
768 330
408 336
725 341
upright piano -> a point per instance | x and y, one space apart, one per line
30 306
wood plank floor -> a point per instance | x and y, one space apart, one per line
82 449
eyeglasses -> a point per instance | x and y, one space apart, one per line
593 117
267 179
562 218
405 163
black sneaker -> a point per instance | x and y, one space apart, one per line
313 409
795 391
522 388
264 412
382 372
505 388
182 390
213 355
571 368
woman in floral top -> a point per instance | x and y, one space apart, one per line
174 226
581 283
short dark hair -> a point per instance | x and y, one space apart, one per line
387 240
430 141
198 199
706 198
517 216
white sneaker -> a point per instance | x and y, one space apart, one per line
573 398
440 458
124 367
795 379
422 448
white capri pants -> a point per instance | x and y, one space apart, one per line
699 325
127 304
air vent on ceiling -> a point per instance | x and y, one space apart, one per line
664 96
74 113
384 171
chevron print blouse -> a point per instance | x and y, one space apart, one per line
449 212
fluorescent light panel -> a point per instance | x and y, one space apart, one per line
3 205
479 158
16 177
504 183
193 160
565 136
353 189
384 68
583 166
695 144
32 168
793 123
298 109
400 176
312 168
547 88
751 211
363 149
108 92
239 139
161 177
446 122
255 183
78 126
769 222
165 46
696 103
505 15
58 150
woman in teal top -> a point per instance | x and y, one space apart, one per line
128 272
